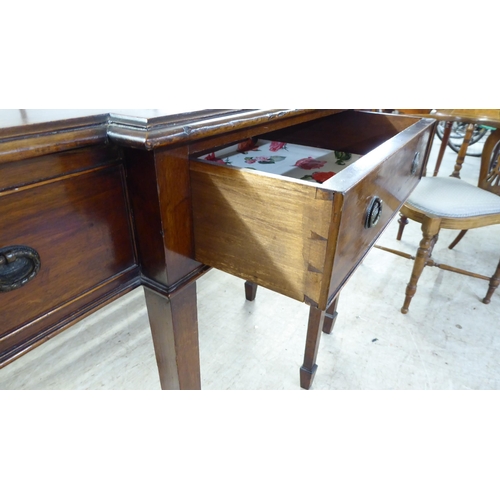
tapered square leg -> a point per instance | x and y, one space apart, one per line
331 316
174 326
314 328
250 290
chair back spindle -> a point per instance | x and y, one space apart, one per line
489 173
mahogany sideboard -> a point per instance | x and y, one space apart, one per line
96 203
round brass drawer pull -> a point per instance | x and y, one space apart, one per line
373 212
18 265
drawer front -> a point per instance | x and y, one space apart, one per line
391 182
79 226
298 238
21 173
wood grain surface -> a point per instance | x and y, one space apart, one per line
80 227
264 229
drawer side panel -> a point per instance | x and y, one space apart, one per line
270 231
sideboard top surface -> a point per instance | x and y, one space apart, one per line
25 133
23 122
14 122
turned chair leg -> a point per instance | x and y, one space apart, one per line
434 240
403 220
430 230
461 234
494 282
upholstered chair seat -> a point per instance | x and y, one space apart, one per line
451 197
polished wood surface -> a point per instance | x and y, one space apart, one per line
331 315
489 174
286 253
42 169
172 170
490 117
107 196
463 151
70 207
313 337
386 173
174 325
494 283
250 290
80 239
354 131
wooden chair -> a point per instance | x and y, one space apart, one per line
403 220
451 203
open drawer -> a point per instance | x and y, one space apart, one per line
302 235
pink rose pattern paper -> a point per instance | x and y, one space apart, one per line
291 160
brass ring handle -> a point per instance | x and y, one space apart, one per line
18 265
373 212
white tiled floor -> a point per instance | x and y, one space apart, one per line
449 339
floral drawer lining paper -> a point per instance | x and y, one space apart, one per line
291 160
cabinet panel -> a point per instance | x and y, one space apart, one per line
80 227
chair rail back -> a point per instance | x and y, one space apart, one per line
489 173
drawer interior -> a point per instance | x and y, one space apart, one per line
358 132
332 144
296 161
